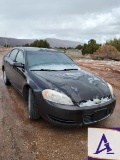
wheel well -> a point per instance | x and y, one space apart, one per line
25 92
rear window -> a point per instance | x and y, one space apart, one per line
13 54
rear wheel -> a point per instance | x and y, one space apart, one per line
33 110
5 79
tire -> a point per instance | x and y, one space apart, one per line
5 79
33 111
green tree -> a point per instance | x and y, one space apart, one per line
79 47
91 47
85 49
26 45
39 43
115 42
8 46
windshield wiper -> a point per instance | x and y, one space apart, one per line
42 70
53 69
69 69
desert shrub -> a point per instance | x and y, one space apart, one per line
115 42
106 52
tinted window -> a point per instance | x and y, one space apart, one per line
19 57
13 54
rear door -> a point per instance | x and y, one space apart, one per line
19 73
8 63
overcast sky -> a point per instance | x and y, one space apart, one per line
77 20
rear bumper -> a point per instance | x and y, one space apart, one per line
64 115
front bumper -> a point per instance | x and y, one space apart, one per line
64 115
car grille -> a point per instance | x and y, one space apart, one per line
59 120
97 116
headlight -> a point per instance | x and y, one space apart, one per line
111 89
56 97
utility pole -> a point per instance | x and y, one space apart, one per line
5 40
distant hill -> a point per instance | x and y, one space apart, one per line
15 42
62 43
53 42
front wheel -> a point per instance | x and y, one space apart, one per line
33 110
5 79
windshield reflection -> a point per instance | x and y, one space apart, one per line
50 61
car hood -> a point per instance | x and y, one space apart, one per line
79 85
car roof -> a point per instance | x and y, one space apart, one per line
36 49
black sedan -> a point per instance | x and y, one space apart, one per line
56 88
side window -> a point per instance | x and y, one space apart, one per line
20 57
13 54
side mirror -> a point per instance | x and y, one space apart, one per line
16 64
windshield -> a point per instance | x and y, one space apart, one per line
38 60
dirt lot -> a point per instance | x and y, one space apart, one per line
22 139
